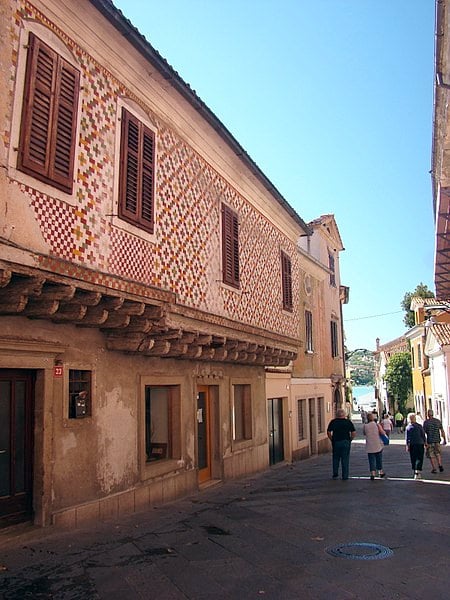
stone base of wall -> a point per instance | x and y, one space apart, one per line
323 446
138 499
301 453
246 462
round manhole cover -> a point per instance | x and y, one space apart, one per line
360 551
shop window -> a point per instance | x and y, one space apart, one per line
162 419
242 413
80 394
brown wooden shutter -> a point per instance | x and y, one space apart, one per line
137 164
47 140
66 106
286 277
230 246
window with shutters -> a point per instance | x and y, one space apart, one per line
137 173
286 277
309 331
48 125
230 246
331 264
334 339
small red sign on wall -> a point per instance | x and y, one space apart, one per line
58 371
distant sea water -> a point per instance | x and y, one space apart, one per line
364 394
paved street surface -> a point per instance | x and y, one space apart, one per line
291 532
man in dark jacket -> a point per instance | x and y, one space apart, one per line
415 445
434 431
341 431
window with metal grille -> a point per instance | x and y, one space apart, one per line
80 394
48 125
334 340
230 246
286 279
320 415
301 414
309 331
137 173
242 412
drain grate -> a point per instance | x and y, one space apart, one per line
360 551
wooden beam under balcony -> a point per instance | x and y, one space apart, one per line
70 313
86 298
5 277
160 348
41 309
95 316
14 306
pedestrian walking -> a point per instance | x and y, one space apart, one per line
386 424
341 432
415 444
374 446
399 421
434 431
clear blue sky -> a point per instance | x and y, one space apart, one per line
333 99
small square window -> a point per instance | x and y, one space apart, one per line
80 394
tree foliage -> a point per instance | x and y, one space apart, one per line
361 364
398 378
421 291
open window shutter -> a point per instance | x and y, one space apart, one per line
66 106
286 276
147 186
137 173
230 246
37 111
47 139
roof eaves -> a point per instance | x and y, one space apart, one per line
139 42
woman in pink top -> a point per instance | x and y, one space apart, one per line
374 446
386 424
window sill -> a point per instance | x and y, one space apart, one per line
156 468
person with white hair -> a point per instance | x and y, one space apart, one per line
415 444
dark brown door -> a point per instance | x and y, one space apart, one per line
16 445
204 434
275 420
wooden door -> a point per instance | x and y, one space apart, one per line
16 445
204 433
